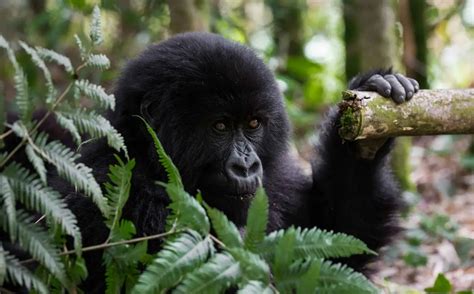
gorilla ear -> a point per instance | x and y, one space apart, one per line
145 108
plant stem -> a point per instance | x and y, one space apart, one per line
35 128
111 244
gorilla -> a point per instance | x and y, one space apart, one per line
219 114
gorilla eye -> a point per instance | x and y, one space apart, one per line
220 126
254 123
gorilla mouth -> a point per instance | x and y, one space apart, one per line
240 196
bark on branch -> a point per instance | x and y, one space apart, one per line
367 115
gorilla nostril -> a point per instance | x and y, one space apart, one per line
254 168
239 170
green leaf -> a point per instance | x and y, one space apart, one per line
289 278
284 253
96 27
96 93
38 61
118 190
316 243
251 265
80 46
69 125
21 84
186 212
32 193
255 287
441 285
36 241
37 162
172 171
8 197
256 221
3 265
225 230
52 56
22 98
20 275
77 174
178 257
334 278
94 125
218 274
99 61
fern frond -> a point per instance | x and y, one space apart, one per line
225 230
69 125
288 278
257 219
334 278
177 258
186 212
22 98
216 275
99 61
78 174
38 61
96 27
113 279
255 287
38 243
96 93
37 162
32 193
96 126
21 83
252 266
52 56
20 275
8 197
316 243
3 265
118 189
171 170
80 46
284 253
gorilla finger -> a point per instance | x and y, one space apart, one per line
379 84
409 88
398 92
415 84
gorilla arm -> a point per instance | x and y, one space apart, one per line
355 195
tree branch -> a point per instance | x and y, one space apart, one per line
367 115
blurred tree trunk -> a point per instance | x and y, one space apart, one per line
288 27
415 31
370 43
369 35
188 15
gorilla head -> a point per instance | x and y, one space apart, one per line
216 108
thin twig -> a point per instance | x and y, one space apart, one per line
217 241
111 244
6 134
10 155
35 128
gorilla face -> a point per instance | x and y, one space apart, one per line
217 111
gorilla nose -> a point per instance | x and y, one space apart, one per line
244 168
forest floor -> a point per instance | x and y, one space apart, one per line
439 226
439 236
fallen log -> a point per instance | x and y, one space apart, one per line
369 116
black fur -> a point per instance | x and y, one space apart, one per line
182 86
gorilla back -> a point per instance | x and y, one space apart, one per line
218 111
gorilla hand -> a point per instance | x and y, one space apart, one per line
387 84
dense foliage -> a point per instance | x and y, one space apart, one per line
192 259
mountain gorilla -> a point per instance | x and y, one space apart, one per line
219 113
